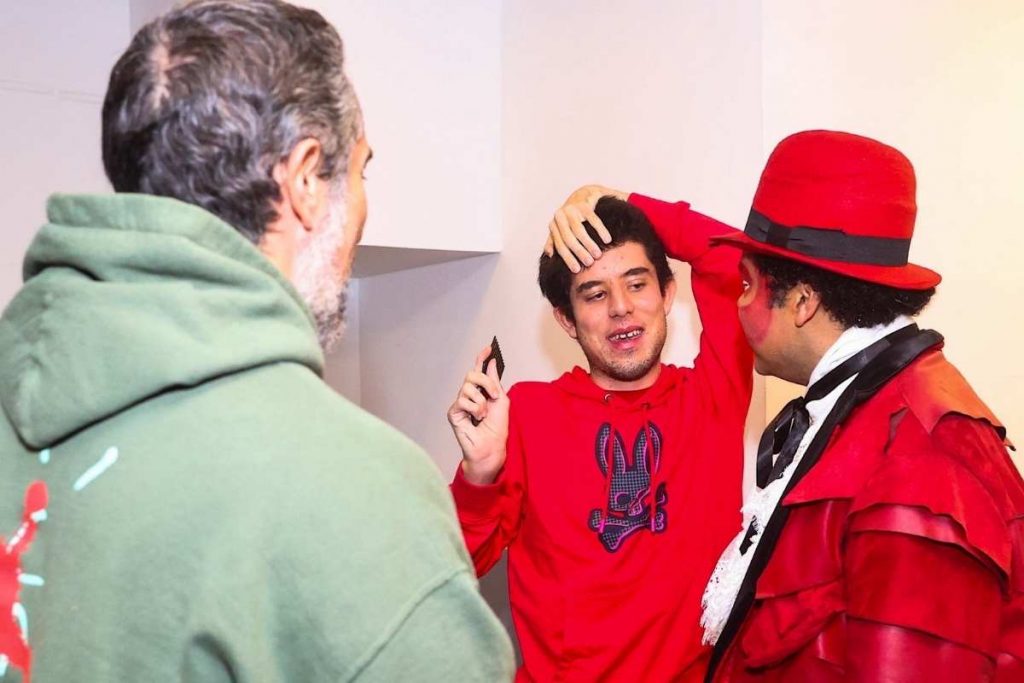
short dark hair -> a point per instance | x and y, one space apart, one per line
848 301
626 223
209 97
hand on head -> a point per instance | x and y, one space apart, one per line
567 233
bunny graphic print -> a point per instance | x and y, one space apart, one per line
629 499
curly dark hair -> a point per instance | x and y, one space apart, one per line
848 301
209 97
626 223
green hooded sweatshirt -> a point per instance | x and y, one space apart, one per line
213 510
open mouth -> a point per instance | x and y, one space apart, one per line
626 338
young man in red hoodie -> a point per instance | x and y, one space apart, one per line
614 490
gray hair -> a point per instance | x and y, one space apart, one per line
209 97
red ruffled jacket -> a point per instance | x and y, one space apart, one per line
903 555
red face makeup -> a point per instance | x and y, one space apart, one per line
758 318
755 309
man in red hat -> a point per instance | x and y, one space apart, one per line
885 538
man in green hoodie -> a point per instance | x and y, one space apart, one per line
182 498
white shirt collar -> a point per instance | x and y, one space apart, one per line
852 341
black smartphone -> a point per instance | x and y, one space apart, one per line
494 355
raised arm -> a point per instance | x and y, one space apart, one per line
724 364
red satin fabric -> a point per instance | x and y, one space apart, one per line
903 556
900 655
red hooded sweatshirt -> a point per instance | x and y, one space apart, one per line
600 589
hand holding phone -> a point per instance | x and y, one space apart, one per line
479 417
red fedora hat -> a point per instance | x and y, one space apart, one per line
840 202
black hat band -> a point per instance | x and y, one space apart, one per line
828 243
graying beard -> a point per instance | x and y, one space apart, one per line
323 290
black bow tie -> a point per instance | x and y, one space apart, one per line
783 435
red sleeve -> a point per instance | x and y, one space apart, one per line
919 609
490 515
929 590
724 364
883 652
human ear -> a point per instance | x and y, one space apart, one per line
302 189
669 295
565 322
804 302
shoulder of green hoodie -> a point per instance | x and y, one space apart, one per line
380 586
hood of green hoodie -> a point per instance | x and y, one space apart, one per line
127 296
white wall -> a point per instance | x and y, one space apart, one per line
625 102
427 77
141 12
342 369
55 58
429 81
